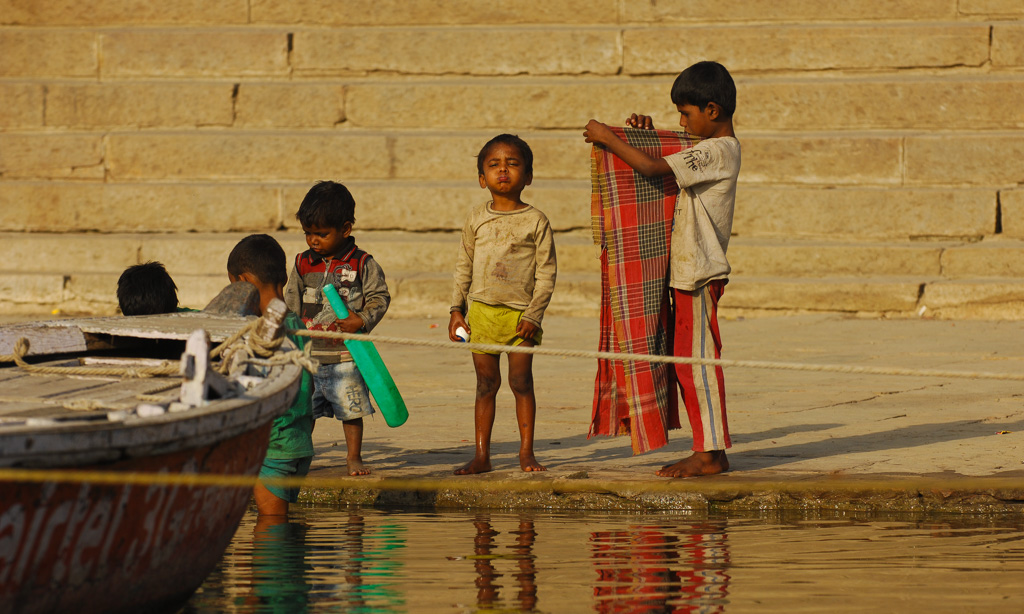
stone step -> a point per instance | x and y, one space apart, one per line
769 275
426 295
435 254
563 49
455 12
785 211
884 101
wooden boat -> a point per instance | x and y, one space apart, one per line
73 546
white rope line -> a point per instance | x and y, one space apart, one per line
624 357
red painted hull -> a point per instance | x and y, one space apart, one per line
67 547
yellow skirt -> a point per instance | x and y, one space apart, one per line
495 325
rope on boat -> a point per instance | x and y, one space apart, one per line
748 364
252 345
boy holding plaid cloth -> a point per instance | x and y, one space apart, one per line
705 96
505 275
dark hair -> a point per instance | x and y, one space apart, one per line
260 256
145 289
706 82
512 141
328 204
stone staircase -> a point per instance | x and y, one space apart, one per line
883 155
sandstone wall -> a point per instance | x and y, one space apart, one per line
883 141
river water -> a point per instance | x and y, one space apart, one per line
369 560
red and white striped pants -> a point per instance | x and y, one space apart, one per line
697 335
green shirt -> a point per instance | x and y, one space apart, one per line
291 435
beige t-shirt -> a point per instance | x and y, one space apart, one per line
506 258
706 174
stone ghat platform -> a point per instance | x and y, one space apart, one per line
801 439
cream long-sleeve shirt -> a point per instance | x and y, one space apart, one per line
506 258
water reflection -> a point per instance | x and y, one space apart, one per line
485 552
646 569
329 560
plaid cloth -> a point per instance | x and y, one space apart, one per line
632 222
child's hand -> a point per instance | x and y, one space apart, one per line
352 324
457 320
526 329
596 132
640 121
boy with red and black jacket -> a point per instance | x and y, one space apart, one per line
327 214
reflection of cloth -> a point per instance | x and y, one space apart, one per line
632 222
658 571
496 326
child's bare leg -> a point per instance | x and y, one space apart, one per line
354 443
698 463
488 380
520 379
267 503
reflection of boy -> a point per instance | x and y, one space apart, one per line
145 289
327 214
259 260
506 269
705 96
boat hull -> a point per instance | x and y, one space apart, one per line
80 547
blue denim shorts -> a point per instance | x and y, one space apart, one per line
285 468
340 392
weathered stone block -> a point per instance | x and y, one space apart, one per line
430 12
975 299
51 156
863 212
437 51
805 47
89 253
256 156
982 159
30 288
1008 44
502 105
878 103
48 53
193 53
207 253
1012 208
138 105
682 11
453 157
75 206
991 258
50 206
22 105
796 258
992 8
829 160
850 295
119 12
290 105
191 208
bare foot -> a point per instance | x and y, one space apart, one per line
698 463
474 466
529 463
356 467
